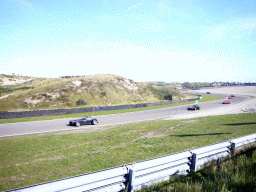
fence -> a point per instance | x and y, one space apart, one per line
144 173
36 113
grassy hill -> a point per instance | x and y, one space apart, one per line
24 93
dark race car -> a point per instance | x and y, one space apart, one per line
226 102
232 95
194 107
83 121
208 93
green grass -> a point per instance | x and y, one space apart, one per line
73 115
31 159
230 174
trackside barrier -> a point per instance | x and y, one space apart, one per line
145 173
240 142
36 113
107 180
159 169
201 156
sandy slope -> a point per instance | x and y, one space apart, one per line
12 81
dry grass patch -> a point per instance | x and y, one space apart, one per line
153 134
190 121
84 130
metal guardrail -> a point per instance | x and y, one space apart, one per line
144 173
151 171
106 180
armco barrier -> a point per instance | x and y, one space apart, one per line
152 170
201 156
144 173
107 180
36 113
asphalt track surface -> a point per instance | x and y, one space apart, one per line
24 128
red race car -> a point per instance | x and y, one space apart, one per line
230 97
226 102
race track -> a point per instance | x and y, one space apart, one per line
13 129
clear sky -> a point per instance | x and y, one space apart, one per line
143 40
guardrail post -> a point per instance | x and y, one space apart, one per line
233 149
193 166
131 178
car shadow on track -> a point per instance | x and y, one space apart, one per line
241 123
193 135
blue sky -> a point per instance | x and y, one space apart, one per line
143 40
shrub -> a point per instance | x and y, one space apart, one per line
101 85
163 93
8 76
62 98
6 90
81 102
168 96
187 85
103 93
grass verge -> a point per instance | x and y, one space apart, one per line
32 159
73 115
229 174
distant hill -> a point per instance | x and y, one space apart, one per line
24 93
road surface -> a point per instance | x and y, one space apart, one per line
23 128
